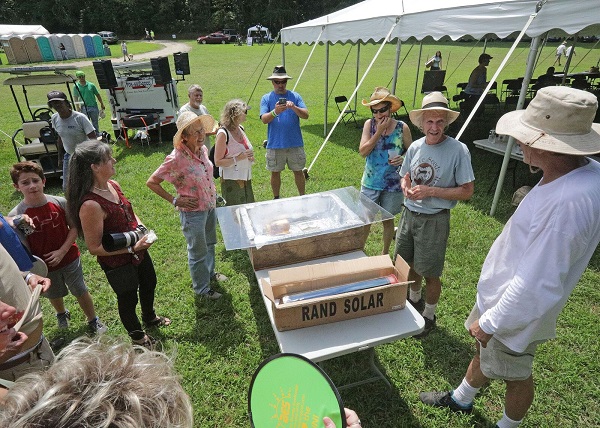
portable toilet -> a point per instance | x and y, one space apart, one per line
32 48
54 42
88 44
10 56
66 40
78 44
18 48
98 46
44 47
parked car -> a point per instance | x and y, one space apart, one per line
232 34
108 37
213 38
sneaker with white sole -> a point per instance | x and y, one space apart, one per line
219 277
444 399
97 326
211 295
63 319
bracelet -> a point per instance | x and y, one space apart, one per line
234 161
130 250
29 275
174 202
273 113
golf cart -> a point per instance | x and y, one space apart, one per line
35 140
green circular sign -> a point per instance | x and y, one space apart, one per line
290 391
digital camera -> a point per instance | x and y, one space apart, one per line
117 241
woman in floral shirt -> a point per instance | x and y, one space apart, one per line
188 168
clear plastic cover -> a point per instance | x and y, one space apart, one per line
280 220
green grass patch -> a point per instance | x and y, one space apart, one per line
220 344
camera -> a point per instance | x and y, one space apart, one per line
282 101
117 241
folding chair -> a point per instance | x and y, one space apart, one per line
342 99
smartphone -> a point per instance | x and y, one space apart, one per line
282 101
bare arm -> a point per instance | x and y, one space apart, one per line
155 184
368 141
459 193
92 224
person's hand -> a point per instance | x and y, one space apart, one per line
250 155
10 339
481 336
419 192
34 280
53 258
352 420
396 160
24 219
382 125
280 108
187 202
142 244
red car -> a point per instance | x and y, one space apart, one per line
213 38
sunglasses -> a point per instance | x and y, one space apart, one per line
381 110
280 82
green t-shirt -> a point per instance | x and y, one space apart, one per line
86 93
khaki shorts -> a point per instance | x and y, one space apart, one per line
497 361
295 158
39 359
421 240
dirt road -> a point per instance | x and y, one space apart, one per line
168 47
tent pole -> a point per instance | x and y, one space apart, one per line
568 63
283 54
418 71
351 96
493 79
396 65
357 67
308 59
326 87
535 42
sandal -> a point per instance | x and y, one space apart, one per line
158 322
147 342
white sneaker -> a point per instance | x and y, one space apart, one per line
211 295
219 277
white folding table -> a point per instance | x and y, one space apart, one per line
325 341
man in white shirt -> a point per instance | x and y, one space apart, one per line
535 263
196 96
560 51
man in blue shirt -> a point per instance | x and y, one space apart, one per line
282 110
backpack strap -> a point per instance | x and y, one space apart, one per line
226 134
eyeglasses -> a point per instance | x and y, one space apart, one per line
381 110
280 82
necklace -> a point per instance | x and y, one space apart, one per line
102 190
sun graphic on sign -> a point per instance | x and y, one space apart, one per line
282 407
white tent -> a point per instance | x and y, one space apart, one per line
384 21
22 29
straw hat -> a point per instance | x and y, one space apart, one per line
380 95
433 101
559 119
279 73
188 118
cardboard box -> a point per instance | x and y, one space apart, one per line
307 313
314 247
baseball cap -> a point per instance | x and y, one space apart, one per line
56 96
79 73
484 56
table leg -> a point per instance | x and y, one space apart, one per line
377 374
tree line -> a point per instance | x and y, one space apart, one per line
182 17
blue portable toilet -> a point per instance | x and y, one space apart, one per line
88 44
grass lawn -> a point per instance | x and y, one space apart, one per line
218 345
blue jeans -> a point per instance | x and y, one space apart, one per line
92 112
199 229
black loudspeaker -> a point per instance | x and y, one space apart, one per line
160 70
182 63
105 74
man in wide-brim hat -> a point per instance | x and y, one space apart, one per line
535 263
282 109
436 173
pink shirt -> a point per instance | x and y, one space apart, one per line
191 175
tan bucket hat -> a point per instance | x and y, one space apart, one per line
559 119
432 101
188 118
279 73
380 95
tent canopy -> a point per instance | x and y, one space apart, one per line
371 20
22 29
